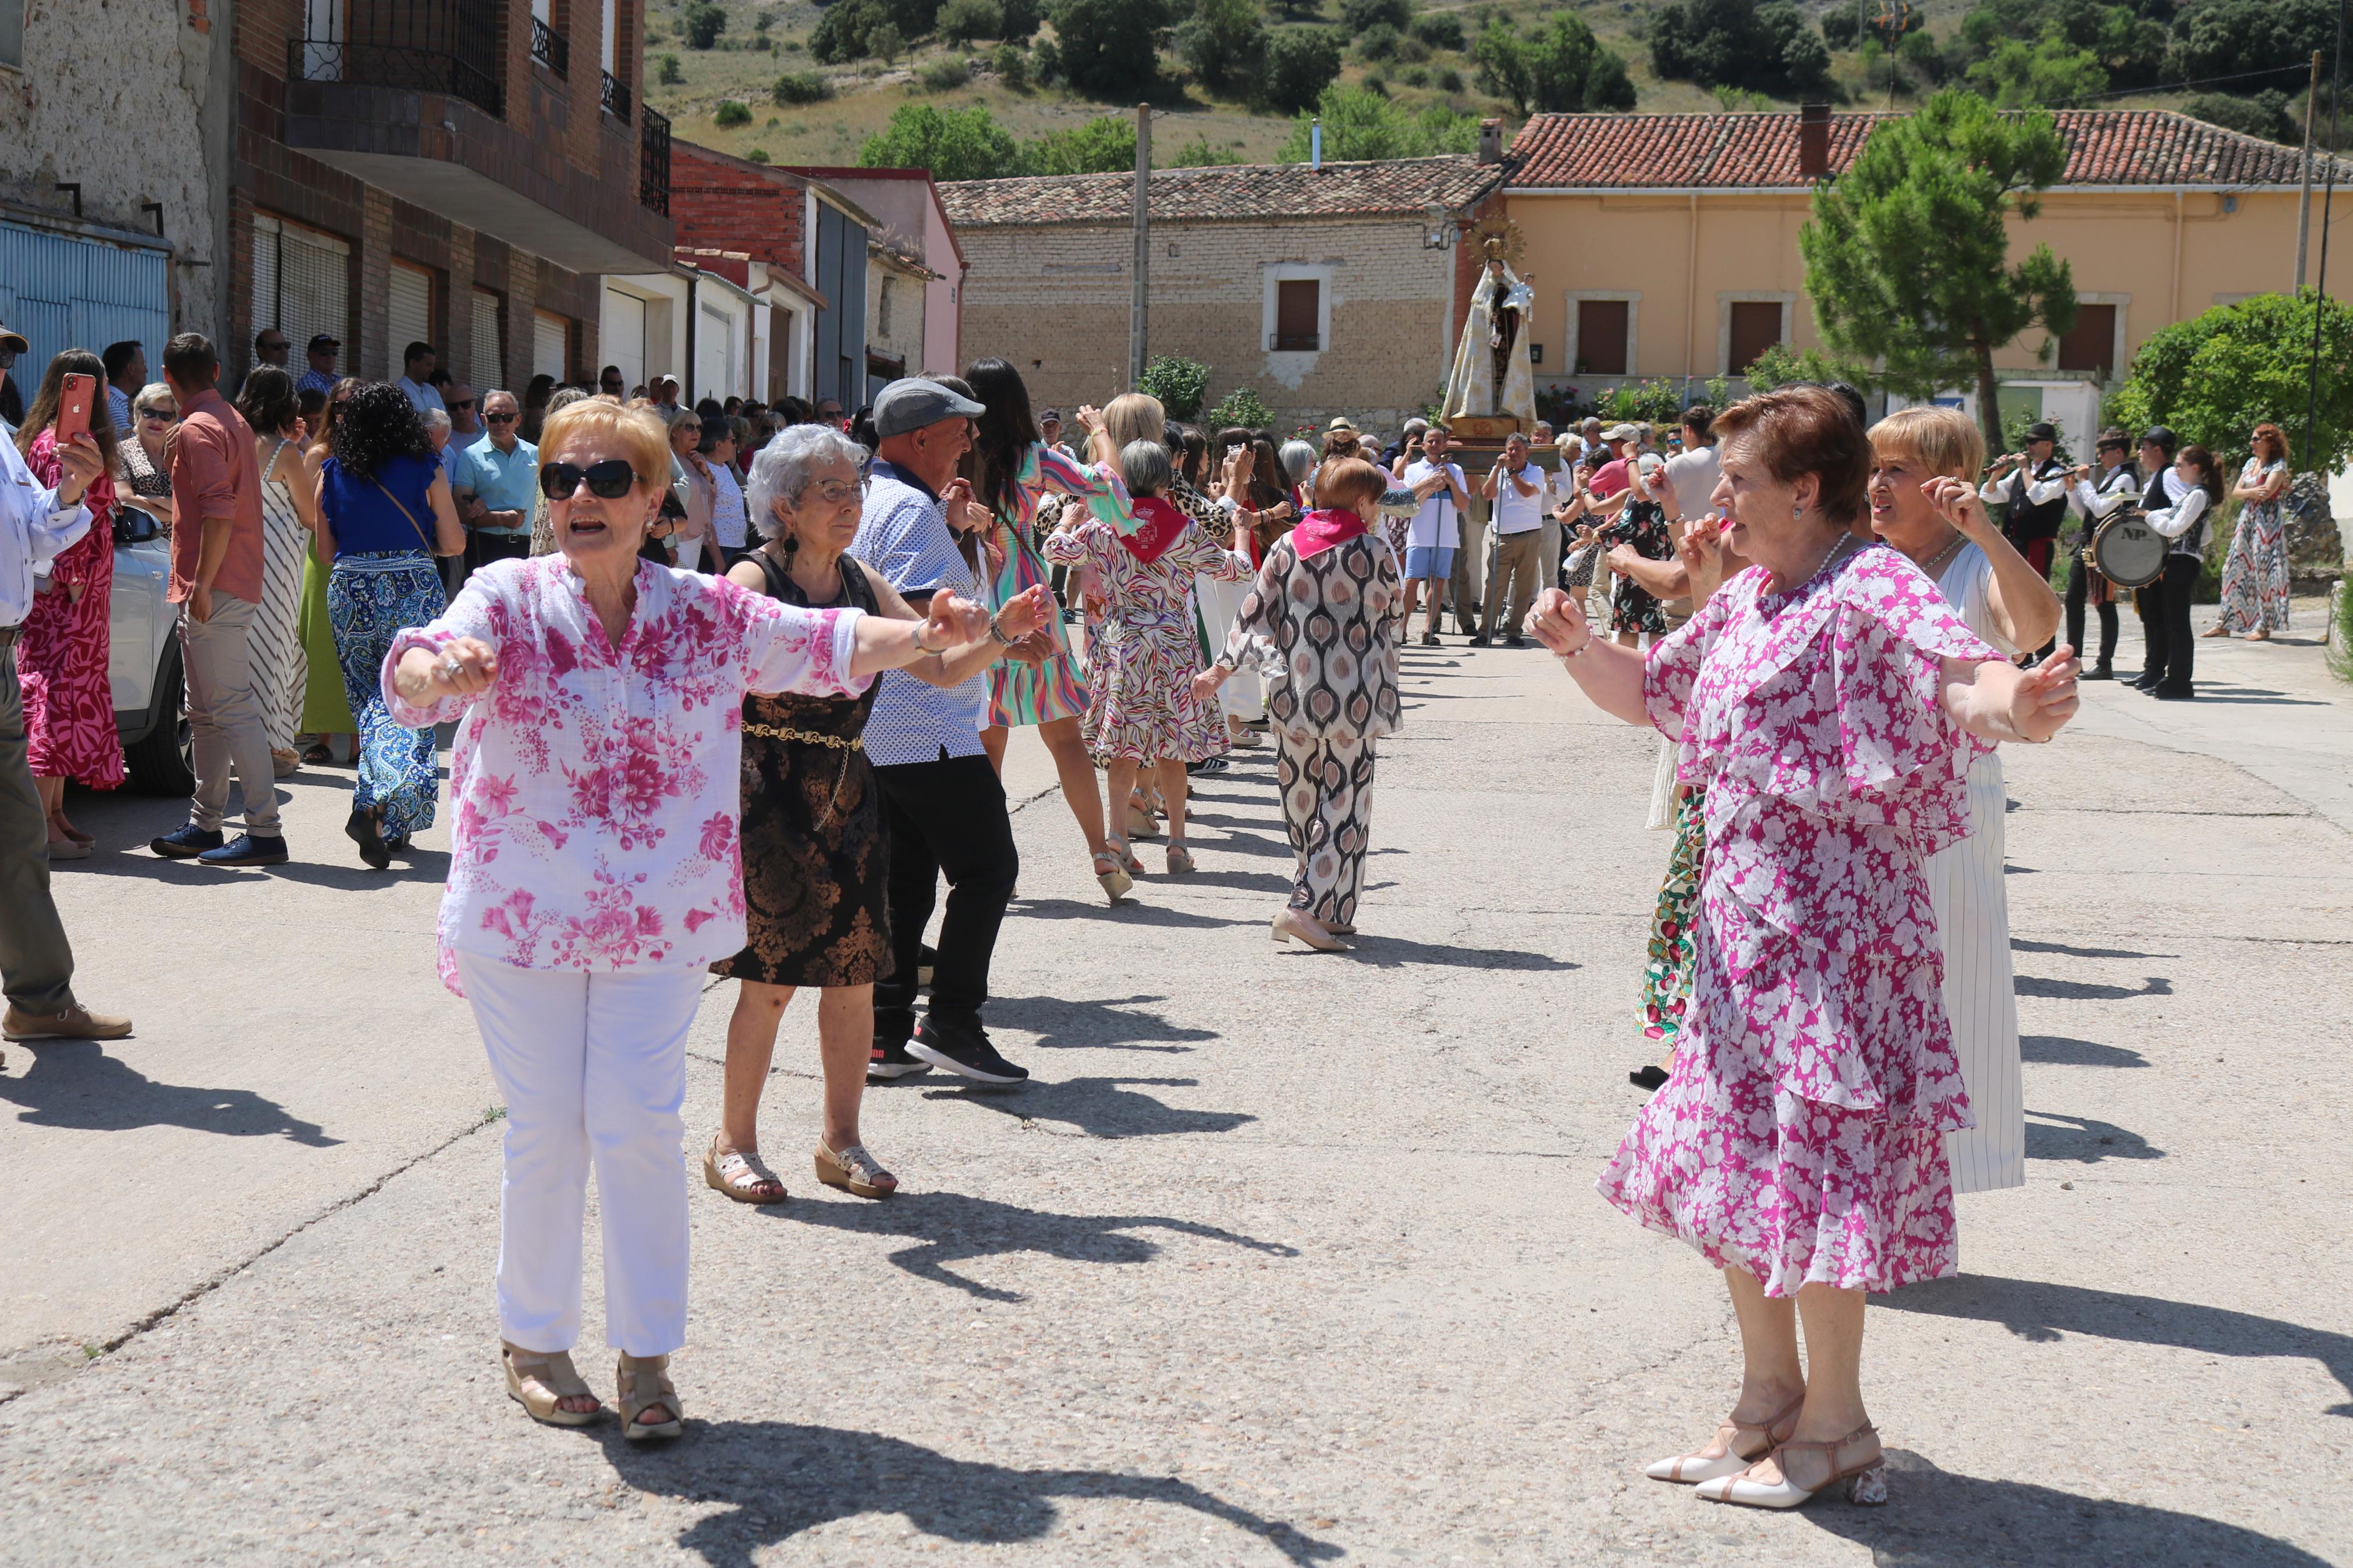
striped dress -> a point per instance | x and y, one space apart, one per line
281 665
1018 693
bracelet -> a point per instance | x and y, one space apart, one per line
928 652
999 633
1578 651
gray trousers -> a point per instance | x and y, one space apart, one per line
36 960
1518 558
225 717
1470 574
1548 567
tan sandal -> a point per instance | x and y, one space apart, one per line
537 1381
650 1372
740 1175
1180 858
854 1170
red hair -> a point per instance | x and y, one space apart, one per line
1805 429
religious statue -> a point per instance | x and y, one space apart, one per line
1492 372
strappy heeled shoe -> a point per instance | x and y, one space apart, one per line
1690 1469
1112 876
1866 1480
641 1383
1118 844
739 1173
537 1379
1180 858
854 1170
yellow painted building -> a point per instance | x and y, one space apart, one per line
1667 245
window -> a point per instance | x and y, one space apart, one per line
1298 307
302 285
2092 344
883 306
551 338
408 313
487 367
12 32
1601 337
1755 327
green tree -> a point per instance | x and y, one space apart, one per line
1223 45
884 42
954 144
1907 254
1108 47
1200 154
2051 70
2226 37
1300 62
1180 384
1102 146
1011 64
1359 123
840 34
1770 48
1561 69
668 75
2213 378
1020 20
2266 114
962 21
701 22
1361 14
1241 407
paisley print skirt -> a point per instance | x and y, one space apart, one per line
1142 705
371 598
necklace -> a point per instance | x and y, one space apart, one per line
1944 558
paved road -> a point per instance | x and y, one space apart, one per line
1281 1259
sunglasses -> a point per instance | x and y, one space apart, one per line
160 416
273 348
496 418
459 403
611 479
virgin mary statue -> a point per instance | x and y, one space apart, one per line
1492 372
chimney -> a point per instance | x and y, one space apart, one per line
1491 140
1814 141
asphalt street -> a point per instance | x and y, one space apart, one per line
1280 1258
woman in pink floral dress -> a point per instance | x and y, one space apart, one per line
595 873
1830 703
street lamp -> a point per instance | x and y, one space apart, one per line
1439 232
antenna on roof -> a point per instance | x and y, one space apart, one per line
1315 143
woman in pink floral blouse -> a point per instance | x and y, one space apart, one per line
1830 703
594 872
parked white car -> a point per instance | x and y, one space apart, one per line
143 662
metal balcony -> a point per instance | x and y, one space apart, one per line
452 46
550 48
617 98
653 161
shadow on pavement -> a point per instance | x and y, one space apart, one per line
2039 1312
2088 991
1064 1023
1132 913
74 1083
1101 1106
2051 1136
2020 944
1937 1518
779 1479
950 1229
1395 952
2059 1051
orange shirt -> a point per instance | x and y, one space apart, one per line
215 474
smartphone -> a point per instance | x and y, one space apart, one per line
73 407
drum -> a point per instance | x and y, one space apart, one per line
2127 551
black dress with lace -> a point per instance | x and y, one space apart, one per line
815 861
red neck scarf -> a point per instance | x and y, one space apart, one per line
1157 526
1321 528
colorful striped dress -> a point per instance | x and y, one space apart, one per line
1019 694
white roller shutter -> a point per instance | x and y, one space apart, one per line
409 318
302 283
625 336
551 338
490 362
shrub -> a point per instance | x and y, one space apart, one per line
1241 407
946 75
962 21
1443 31
1104 145
1362 15
756 156
1840 28
1415 76
1360 123
1011 64
1300 62
1020 20
2214 377
1046 61
731 114
1449 80
801 86
2264 115
1377 42
1198 153
670 75
1180 384
701 22
1223 44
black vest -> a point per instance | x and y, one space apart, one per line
2027 522
2154 499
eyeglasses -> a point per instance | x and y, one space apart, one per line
458 404
495 418
833 492
160 416
612 478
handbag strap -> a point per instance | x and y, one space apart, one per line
423 538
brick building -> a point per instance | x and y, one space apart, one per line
1336 290
457 171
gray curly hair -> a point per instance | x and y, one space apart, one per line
784 467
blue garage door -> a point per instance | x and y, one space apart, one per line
66 293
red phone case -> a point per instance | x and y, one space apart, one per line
74 399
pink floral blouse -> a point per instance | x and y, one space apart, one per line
595 789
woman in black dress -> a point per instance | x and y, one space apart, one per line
815 864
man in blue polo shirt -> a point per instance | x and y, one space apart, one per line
941 801
496 482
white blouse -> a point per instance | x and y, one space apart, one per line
595 790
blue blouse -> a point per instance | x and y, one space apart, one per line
365 519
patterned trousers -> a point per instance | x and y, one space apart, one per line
1327 803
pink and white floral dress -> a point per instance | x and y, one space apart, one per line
1800 1134
596 788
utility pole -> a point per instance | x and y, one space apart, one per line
1139 309
2328 198
2304 202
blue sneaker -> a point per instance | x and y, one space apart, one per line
246 849
186 843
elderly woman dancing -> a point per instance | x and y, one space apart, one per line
1831 701
593 874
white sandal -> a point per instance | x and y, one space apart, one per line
740 1174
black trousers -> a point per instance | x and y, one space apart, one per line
2164 624
2079 588
481 549
944 818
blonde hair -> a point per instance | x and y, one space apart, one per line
1134 416
1942 440
640 433
1342 481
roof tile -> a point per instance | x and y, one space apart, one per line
1227 190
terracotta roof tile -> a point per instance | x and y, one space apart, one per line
1232 191
1736 151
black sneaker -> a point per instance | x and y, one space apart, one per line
1649 1078
1515 640
964 1050
1483 640
1206 765
186 843
889 1062
246 849
2099 672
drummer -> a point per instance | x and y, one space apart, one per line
2098 493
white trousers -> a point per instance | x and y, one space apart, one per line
592 1067
1221 606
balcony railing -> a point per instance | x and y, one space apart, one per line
617 98
653 161
550 48
453 47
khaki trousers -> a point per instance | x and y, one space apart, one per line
1518 558
225 717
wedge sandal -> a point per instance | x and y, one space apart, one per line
537 1381
641 1383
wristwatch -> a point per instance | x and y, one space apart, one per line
999 633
